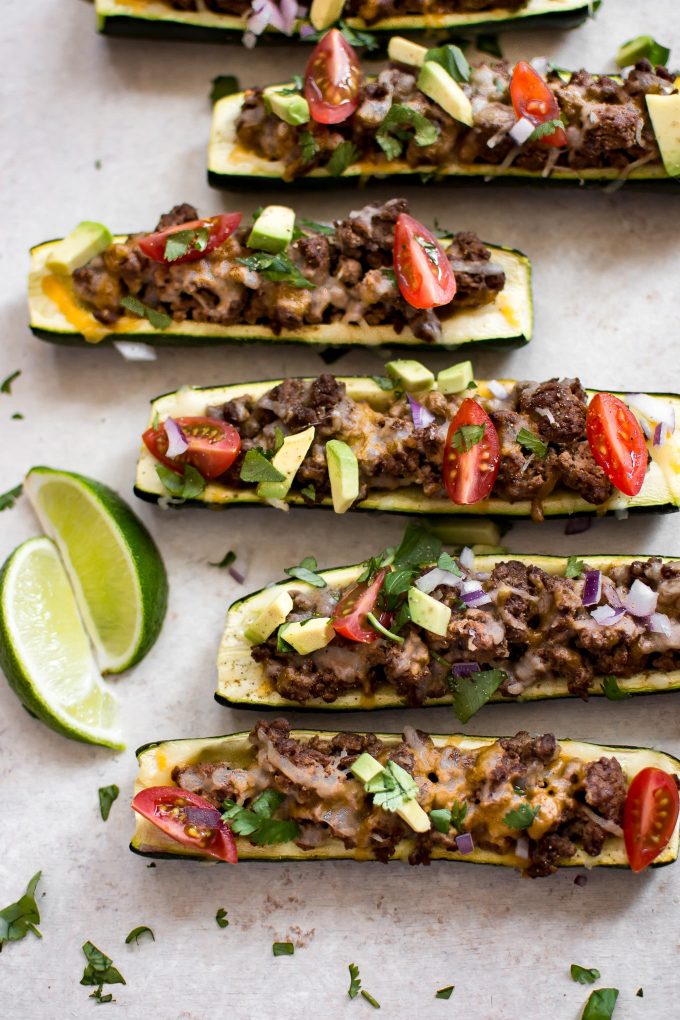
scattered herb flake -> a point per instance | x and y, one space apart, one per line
528 441
223 85
16 416
308 146
17 919
188 485
611 689
521 818
221 918
307 571
384 382
343 156
159 320
152 865
445 993
257 468
600 1005
99 969
369 998
470 693
136 934
354 981
356 38
283 949
9 498
315 227
107 795
99 997
467 436
277 268
182 241
574 567
226 560
584 975
447 562
6 384
458 813
309 492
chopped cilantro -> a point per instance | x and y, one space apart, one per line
159 320
546 128
452 59
307 571
279 439
221 918
528 441
183 241
136 934
309 492
257 822
392 787
467 436
354 981
226 560
458 813
470 693
99 997
283 948
17 919
600 1005
308 146
107 795
642 47
356 38
369 998
377 626
584 975
99 971
611 689
188 485
9 498
418 548
391 136
445 993
6 384
223 85
343 156
317 228
17 416
447 562
574 567
521 817
258 468
443 819
488 43
277 268
384 382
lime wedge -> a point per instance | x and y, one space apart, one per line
111 560
44 650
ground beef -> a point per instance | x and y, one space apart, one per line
605 786
521 475
566 403
526 748
547 852
579 471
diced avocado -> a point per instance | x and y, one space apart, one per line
641 48
403 51
427 613
269 618
411 374
664 112
455 379
438 84
293 109
412 813
287 460
324 13
309 635
473 532
77 248
343 473
366 767
273 229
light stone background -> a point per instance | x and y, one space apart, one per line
606 308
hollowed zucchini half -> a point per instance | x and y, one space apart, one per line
157 760
56 316
660 492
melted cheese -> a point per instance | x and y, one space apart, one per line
60 293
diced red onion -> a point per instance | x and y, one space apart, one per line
613 598
177 443
605 823
203 817
547 413
658 623
647 428
575 525
436 577
522 848
464 843
237 575
606 616
498 389
467 558
421 416
134 350
460 669
641 600
249 40
592 588
653 409
661 434
306 31
581 880
521 130
289 11
260 18
473 595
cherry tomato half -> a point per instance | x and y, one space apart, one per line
470 468
350 614
219 229
617 442
332 79
213 446
422 269
187 818
533 98
649 816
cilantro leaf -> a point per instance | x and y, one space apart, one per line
317 228
392 787
470 693
443 819
356 38
6 384
452 59
107 795
99 969
528 441
391 135
279 439
584 975
418 548
546 128
521 817
447 562
600 1005
467 436
9 498
275 830
257 468
309 492
378 627
458 813
574 567
488 43
188 485
221 918
611 689
283 948
136 934
277 268
183 241
159 320
396 583
17 919
266 803
369 998
445 993
226 560
354 981
223 85
97 995
306 571
308 146
257 822
343 156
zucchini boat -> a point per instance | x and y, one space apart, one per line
430 116
487 785
398 445
293 282
156 18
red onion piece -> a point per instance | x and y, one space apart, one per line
237 575
658 623
547 413
177 443
640 600
604 823
474 599
467 558
498 389
522 848
606 616
613 598
575 525
306 31
521 130
464 843
660 434
289 10
203 817
592 588
436 577
460 669
421 416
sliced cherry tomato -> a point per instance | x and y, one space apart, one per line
219 229
649 816
187 818
533 98
470 468
617 442
213 446
350 614
332 79
423 272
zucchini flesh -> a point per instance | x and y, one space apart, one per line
231 166
54 316
127 18
157 760
242 683
660 492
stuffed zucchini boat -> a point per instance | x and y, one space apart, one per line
280 280
460 631
407 443
530 803
248 20
430 115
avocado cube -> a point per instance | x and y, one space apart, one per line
269 617
309 636
343 474
403 51
273 229
428 613
412 813
411 374
456 378
438 84
293 109
324 13
287 460
366 767
77 248
664 113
